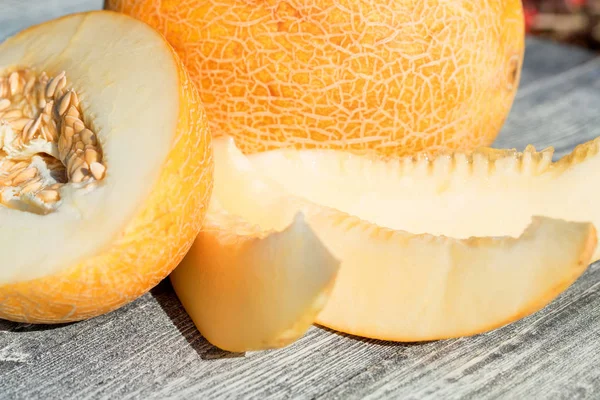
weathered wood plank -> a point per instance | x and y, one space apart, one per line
150 348
560 110
546 59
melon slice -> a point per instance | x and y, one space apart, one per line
247 288
404 286
487 193
105 166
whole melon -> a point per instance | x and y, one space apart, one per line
396 76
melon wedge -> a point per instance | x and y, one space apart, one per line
489 192
247 288
396 285
105 166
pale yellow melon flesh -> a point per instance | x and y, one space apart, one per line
250 289
487 193
397 285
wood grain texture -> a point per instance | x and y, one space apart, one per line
150 348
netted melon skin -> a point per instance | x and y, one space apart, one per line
397 77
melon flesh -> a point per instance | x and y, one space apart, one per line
404 286
250 289
103 244
487 193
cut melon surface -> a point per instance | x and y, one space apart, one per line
105 166
403 286
250 289
488 192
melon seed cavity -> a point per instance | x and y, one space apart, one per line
44 141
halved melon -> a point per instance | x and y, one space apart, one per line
105 166
415 286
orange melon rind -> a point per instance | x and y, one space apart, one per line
397 77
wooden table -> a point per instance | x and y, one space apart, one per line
151 349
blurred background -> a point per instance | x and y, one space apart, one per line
571 21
